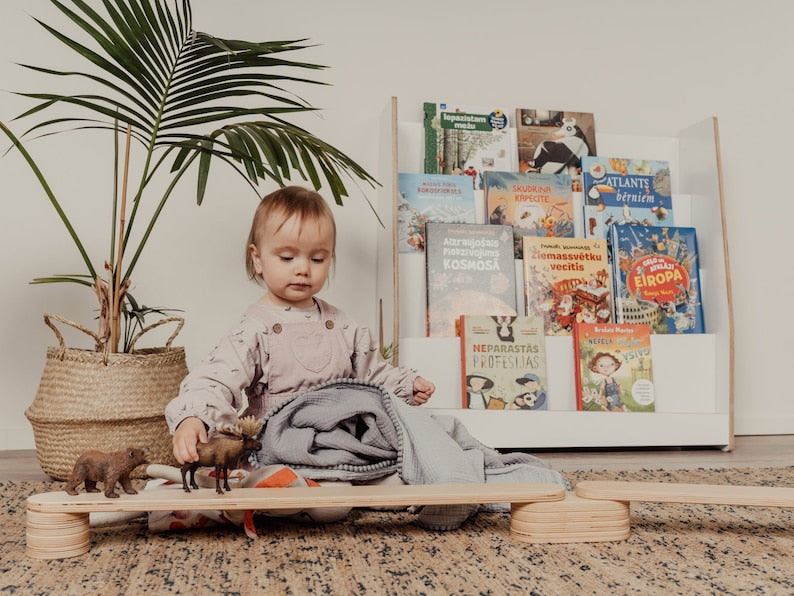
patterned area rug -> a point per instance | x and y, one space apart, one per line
673 549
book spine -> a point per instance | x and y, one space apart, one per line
577 367
463 399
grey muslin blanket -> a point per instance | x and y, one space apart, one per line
355 431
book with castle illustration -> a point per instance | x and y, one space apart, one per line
503 362
656 277
470 269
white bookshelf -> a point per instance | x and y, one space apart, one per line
693 374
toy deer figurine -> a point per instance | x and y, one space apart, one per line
224 451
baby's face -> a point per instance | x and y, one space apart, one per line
294 257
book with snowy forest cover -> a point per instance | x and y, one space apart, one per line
466 140
503 362
534 204
430 197
470 269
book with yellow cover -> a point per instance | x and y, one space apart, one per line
566 280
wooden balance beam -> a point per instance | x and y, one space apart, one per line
599 510
58 524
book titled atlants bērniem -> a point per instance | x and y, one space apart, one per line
470 269
625 191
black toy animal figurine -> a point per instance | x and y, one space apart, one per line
224 451
109 468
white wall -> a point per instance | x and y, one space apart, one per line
688 61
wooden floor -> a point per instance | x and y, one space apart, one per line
749 451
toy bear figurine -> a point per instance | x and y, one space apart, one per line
109 468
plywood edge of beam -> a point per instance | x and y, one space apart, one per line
699 494
300 497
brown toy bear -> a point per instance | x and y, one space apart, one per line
108 468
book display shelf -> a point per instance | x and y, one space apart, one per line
693 373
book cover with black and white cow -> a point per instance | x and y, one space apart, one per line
554 141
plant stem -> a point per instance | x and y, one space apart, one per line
117 297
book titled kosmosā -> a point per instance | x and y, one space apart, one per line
470 269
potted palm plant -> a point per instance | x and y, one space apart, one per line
182 100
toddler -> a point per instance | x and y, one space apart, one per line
288 341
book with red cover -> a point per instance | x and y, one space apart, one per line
613 368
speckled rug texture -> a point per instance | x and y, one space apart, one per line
673 549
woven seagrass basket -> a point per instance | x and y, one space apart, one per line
98 400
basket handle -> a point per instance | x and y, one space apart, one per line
99 344
180 322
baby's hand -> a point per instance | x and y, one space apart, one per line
187 435
423 389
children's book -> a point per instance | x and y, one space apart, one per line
657 278
534 204
467 140
554 141
430 197
503 361
567 280
620 190
613 367
470 270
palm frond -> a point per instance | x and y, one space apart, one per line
190 99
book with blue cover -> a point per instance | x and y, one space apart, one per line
434 198
657 278
622 190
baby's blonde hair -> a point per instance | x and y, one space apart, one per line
305 203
